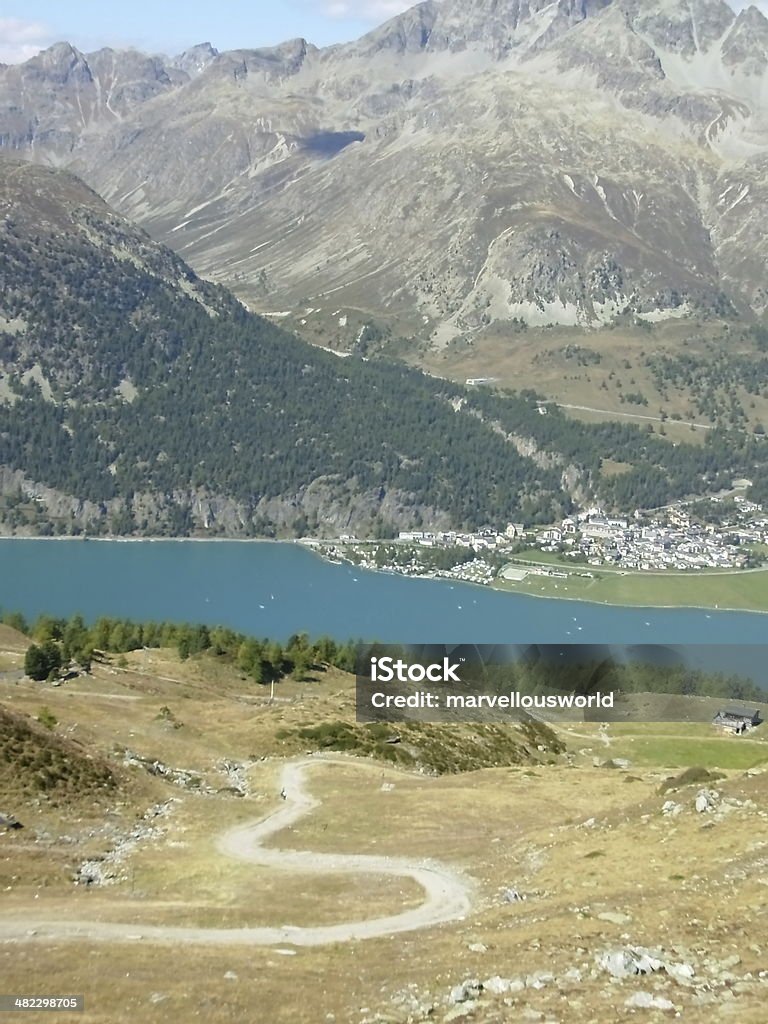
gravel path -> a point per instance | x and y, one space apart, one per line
447 894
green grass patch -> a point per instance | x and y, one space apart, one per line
679 752
743 591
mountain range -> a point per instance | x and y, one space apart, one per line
468 162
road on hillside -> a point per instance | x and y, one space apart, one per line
447 894
633 415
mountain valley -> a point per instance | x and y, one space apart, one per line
603 253
273 171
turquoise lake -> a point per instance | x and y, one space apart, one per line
275 589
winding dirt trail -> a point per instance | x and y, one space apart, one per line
447 894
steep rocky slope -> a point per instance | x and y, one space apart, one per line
468 161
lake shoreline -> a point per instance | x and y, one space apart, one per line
313 546
627 604
276 589
560 597
156 540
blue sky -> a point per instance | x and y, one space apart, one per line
169 26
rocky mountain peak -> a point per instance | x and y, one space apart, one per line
61 64
408 32
195 59
285 59
747 43
501 26
684 27
528 150
753 17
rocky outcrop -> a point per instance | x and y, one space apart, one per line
501 28
324 508
196 59
110 868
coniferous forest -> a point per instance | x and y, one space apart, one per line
130 384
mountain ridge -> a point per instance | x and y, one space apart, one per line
515 139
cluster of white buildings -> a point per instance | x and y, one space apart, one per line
667 540
485 539
476 570
749 524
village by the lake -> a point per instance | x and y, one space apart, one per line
719 533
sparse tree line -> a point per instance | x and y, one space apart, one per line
59 642
661 472
721 383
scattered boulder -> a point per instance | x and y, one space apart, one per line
109 868
683 974
624 963
512 895
647 1001
497 986
671 809
466 991
635 960
706 800
539 979
182 777
614 917
236 774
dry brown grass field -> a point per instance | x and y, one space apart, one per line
593 369
577 367
602 868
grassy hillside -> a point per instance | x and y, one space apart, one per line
581 834
38 763
631 877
